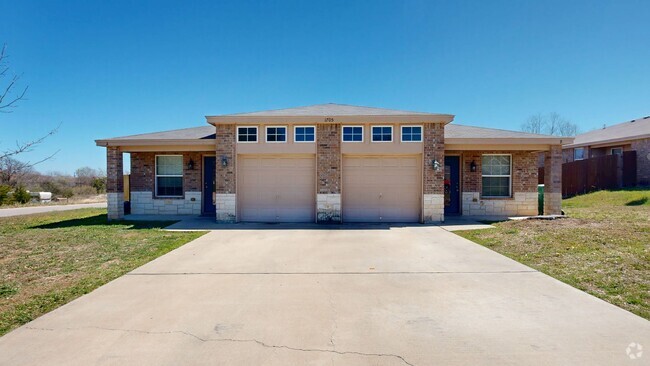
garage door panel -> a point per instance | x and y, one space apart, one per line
381 189
276 189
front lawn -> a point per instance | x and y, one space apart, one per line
603 247
47 260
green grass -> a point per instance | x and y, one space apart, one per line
603 247
47 260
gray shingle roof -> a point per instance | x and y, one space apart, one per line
329 109
464 132
635 129
192 133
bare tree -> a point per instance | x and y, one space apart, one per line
10 95
551 124
534 124
13 172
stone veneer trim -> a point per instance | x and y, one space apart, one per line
226 205
521 204
143 203
115 205
328 208
433 206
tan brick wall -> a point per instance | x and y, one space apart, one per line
328 154
143 173
433 138
642 148
553 181
226 136
114 170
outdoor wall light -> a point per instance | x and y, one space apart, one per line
224 160
435 164
190 165
472 166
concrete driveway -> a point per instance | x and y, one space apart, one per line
367 296
19 211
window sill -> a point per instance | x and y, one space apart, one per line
169 197
496 198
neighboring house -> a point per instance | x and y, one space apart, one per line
610 140
334 163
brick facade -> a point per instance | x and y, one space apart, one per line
328 155
553 181
143 171
115 182
524 170
226 136
328 166
433 137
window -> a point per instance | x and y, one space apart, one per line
579 153
246 134
496 175
304 134
411 133
353 133
276 134
169 175
382 133
617 151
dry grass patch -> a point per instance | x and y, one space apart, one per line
603 248
47 260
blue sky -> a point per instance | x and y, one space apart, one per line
105 69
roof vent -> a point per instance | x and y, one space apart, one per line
604 126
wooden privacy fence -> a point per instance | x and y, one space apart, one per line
594 174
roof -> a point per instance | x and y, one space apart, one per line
193 135
631 130
453 134
330 112
462 134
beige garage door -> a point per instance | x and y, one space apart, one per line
276 189
381 189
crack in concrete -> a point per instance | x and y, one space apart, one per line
235 340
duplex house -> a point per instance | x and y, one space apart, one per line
334 163
612 140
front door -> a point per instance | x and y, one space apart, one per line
452 185
209 185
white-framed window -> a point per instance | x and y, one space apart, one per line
304 133
411 134
496 179
616 151
579 153
247 134
276 134
352 133
381 133
169 175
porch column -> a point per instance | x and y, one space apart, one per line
553 181
328 160
433 161
115 183
226 184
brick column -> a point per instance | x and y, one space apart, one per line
328 166
433 185
115 183
226 198
553 181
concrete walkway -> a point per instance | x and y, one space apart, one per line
367 296
6 212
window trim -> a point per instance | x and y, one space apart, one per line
303 142
498 176
257 135
363 132
401 133
583 153
156 175
392 131
611 150
266 135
